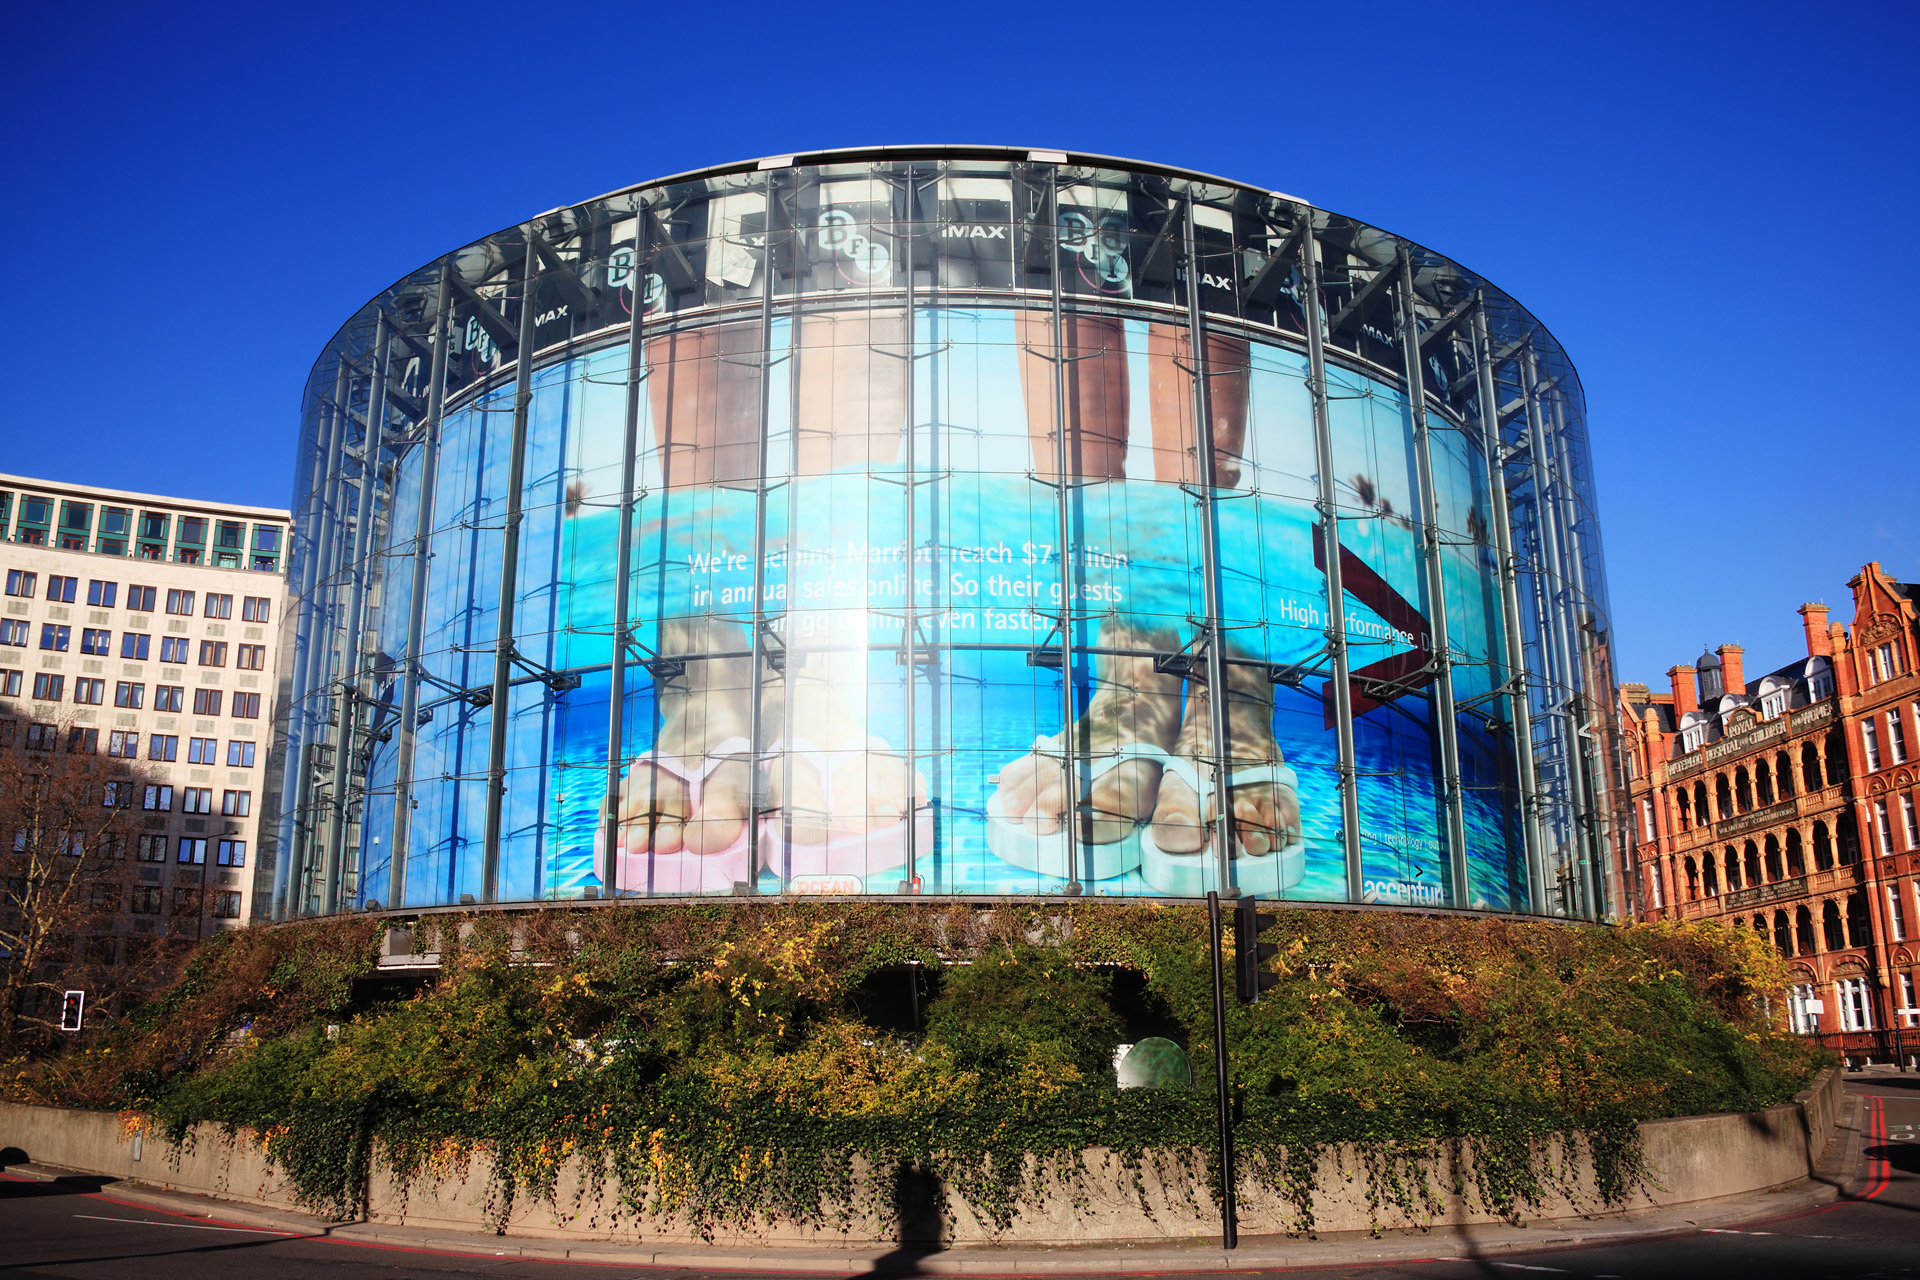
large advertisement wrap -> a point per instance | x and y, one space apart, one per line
943 537
826 788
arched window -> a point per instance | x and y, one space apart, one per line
1782 933
1803 931
1722 797
1742 789
1859 927
1700 804
1753 862
1822 848
1686 809
1693 880
1846 838
1836 757
1796 857
1810 766
1783 772
1830 925
1763 782
1732 868
1710 876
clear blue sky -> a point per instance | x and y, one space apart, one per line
1712 206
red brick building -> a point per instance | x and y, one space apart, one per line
1787 803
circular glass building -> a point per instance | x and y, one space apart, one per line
949 521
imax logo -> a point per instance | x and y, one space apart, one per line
548 317
973 231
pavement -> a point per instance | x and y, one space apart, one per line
1860 1216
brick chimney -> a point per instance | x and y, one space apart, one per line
1684 698
1733 677
1814 618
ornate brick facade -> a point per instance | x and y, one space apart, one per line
1789 807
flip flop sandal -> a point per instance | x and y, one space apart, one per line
873 855
684 871
1193 875
1014 841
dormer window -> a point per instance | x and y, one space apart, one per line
1693 737
1820 686
1773 704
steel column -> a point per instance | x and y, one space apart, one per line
1069 752
1594 862
1447 728
1213 637
757 641
1329 513
401 836
503 650
623 579
1516 666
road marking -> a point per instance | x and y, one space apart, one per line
189 1226
1521 1266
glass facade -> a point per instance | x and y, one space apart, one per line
945 521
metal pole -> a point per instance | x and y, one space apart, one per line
909 618
1593 864
756 730
623 571
1069 755
1447 728
417 601
1330 541
1518 702
352 661
503 651
1223 1107
1214 638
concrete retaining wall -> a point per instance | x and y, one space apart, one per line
1693 1159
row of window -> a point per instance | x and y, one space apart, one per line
126 744
91 691
101 595
1853 1001
1895 751
148 899
158 797
1883 824
137 645
190 850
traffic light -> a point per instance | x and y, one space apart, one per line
1250 955
72 1006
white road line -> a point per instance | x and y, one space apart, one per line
1521 1266
190 1226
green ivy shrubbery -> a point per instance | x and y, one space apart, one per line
707 1060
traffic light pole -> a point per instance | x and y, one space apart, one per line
1229 1230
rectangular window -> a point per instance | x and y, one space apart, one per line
1886 662
101 595
21 583
1912 821
41 737
61 590
226 904
203 750
192 529
146 898
96 641
1646 821
186 902
213 653
32 537
83 742
1871 737
49 688
206 702
55 637
1856 1010
13 631
173 649
1896 914
1896 738
266 538
129 694
1801 1013
140 599
255 608
89 691
233 853
196 799
193 850
236 804
1909 1015
250 657
151 849
9 688
219 606
168 697
152 525
179 602
163 746
156 798
239 754
229 534
134 644
125 744
246 706
1882 828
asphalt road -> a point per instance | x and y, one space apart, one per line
67 1230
